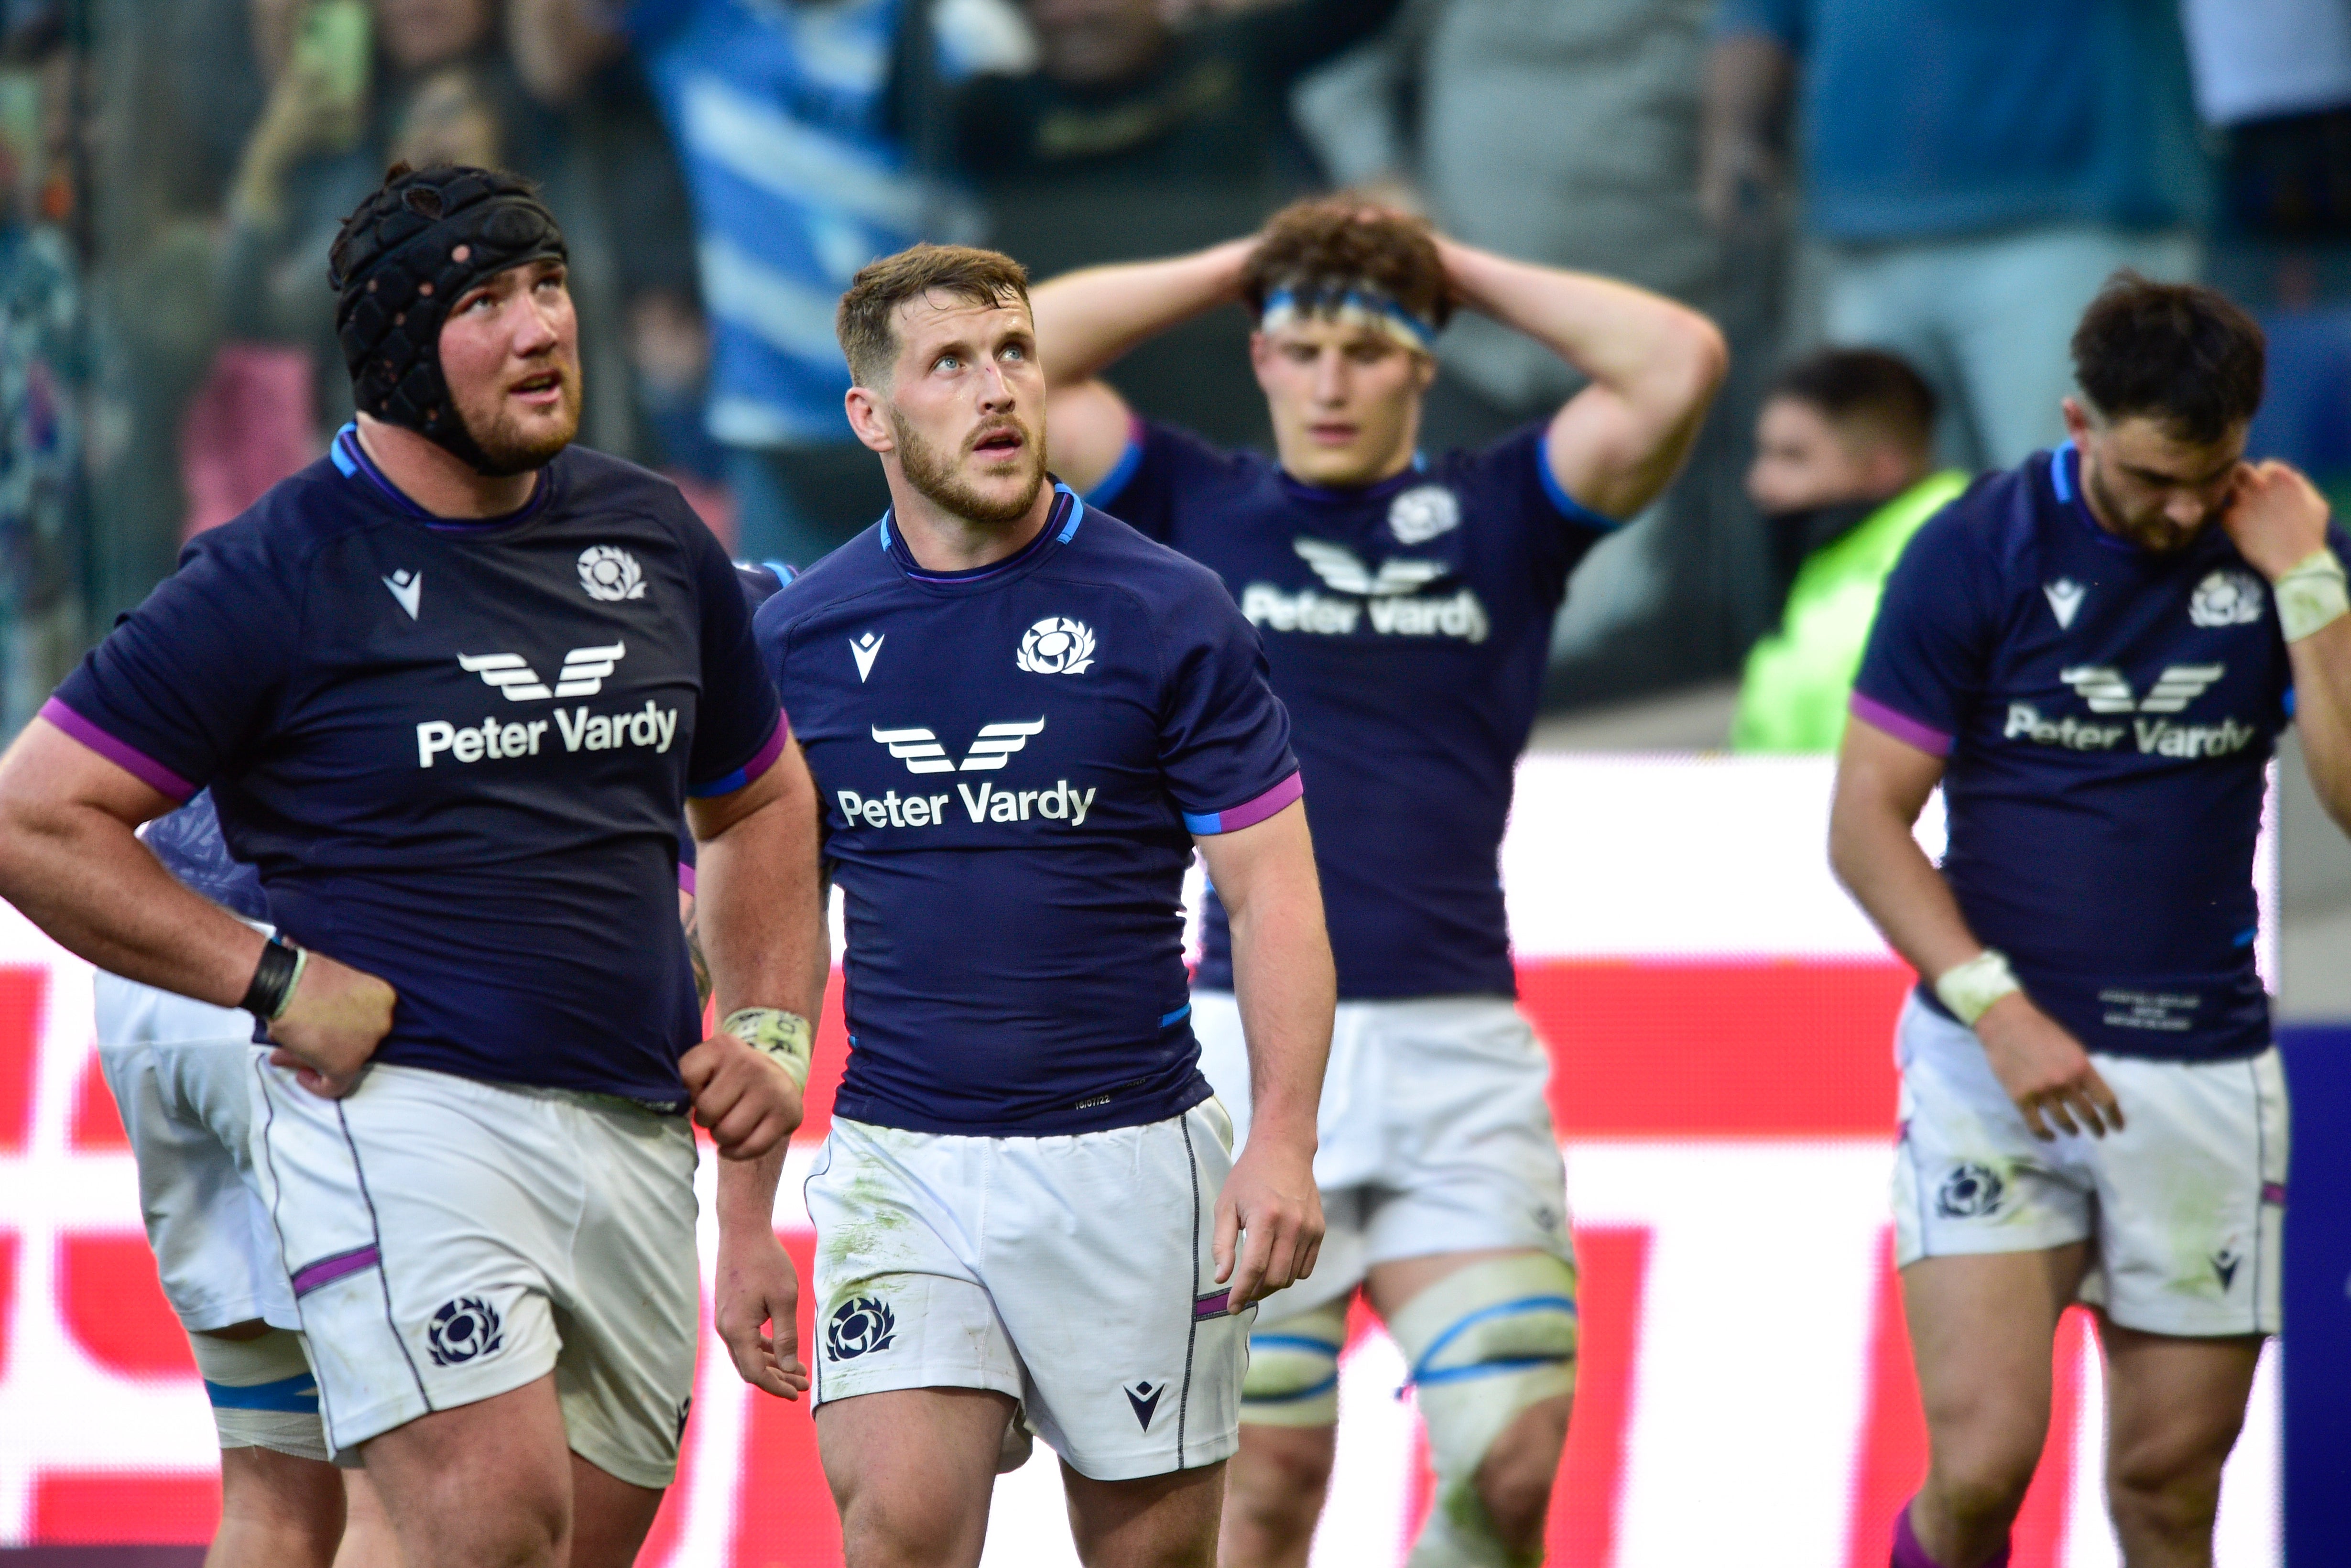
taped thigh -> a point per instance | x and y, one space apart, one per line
262 1392
1293 1369
1485 1344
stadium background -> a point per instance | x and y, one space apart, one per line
1719 1012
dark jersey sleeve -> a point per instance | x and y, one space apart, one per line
740 728
186 685
1158 463
1224 736
1923 669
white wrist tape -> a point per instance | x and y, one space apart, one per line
2311 595
1970 988
784 1037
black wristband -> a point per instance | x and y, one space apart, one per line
273 980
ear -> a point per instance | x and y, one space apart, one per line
868 421
1424 372
2077 420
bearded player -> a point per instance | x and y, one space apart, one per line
1023 717
2093 655
452 687
1407 604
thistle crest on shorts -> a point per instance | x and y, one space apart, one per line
462 1331
1970 1192
859 1325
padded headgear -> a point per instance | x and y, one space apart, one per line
397 267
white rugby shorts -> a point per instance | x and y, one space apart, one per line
2183 1207
1074 1274
450 1241
1435 1135
182 1074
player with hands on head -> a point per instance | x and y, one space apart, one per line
452 686
1022 717
2093 655
1407 603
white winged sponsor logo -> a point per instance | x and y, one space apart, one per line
920 749
1345 572
2107 691
583 675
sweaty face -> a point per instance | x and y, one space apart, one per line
1802 461
967 408
510 353
2147 486
1345 400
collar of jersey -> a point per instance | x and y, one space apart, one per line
1333 495
1060 528
352 461
2066 479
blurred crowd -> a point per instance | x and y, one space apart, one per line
1947 185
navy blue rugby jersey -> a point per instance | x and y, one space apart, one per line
2107 714
1407 626
1013 762
457 753
189 843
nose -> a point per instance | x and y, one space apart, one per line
994 391
2186 509
1330 378
537 325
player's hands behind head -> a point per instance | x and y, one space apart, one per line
757 1286
331 1026
1269 1220
744 1096
2276 518
2046 1071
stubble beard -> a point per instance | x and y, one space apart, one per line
937 480
2158 533
508 449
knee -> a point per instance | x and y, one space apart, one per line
2165 1496
1981 1489
1274 1487
1515 1479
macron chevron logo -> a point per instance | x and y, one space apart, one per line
583 675
920 749
408 587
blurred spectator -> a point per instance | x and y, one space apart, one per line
1974 171
40 364
813 140
1146 129
1843 476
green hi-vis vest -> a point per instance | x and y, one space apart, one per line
1792 698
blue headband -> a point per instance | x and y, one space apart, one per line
1353 307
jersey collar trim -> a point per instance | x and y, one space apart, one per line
352 461
2066 479
1060 528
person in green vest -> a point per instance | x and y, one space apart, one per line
1843 474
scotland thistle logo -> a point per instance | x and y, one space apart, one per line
1970 1192
609 574
1056 646
859 1324
463 1329
2227 599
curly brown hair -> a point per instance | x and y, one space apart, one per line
2182 355
866 320
1332 243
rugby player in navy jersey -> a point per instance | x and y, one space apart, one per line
1022 716
2093 655
452 686
1407 604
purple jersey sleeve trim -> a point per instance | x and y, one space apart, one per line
327 1271
686 879
1249 813
1901 726
1106 491
761 761
130 758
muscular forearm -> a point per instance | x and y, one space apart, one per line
1086 319
1644 346
745 1202
82 876
1287 987
2322 694
758 909
1894 881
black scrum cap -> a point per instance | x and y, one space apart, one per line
402 258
